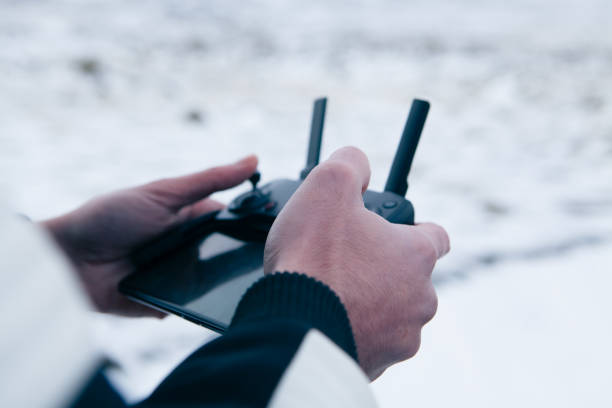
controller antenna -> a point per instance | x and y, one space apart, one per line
316 134
398 176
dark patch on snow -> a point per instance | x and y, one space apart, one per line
495 208
481 261
587 207
195 116
89 66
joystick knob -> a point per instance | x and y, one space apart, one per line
251 200
254 179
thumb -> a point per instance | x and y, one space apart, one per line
343 177
177 192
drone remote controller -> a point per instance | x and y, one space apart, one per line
249 216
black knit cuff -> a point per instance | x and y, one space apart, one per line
297 297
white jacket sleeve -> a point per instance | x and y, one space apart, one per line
45 349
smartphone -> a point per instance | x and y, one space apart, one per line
201 281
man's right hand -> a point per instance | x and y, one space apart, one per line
381 271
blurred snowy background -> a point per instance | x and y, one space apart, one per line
515 160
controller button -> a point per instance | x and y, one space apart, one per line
270 205
390 204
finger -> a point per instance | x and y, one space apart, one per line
129 308
346 171
181 191
437 235
199 208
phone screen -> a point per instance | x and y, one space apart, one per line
202 282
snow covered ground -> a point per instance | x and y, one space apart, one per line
515 160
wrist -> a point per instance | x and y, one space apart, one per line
368 333
297 297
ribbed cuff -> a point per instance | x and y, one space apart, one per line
299 297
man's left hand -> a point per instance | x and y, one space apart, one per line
100 236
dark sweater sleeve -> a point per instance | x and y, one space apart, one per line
243 367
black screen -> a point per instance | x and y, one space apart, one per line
202 282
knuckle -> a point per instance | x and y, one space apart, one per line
443 237
430 304
426 250
410 344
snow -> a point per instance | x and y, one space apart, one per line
529 333
515 160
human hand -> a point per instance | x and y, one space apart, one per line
100 236
381 271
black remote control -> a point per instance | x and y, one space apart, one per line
250 215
